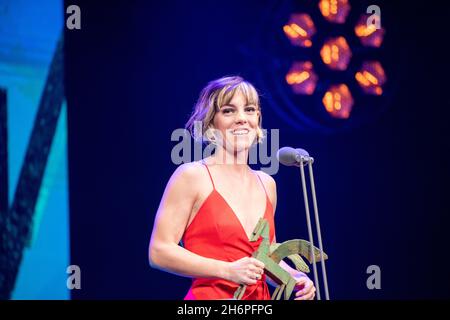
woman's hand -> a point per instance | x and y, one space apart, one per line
304 287
246 271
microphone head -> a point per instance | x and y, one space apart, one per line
287 156
302 152
290 156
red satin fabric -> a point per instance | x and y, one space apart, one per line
216 232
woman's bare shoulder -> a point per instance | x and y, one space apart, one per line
190 170
187 181
266 178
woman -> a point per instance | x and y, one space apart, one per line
213 205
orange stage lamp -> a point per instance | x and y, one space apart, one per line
335 11
336 53
368 33
338 101
371 77
302 78
300 30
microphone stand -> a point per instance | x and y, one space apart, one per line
309 161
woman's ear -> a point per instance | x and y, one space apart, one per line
210 133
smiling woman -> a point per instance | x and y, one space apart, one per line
235 125
220 104
212 206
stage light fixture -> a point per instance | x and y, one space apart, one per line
331 80
302 78
338 101
300 30
368 33
336 53
371 77
335 11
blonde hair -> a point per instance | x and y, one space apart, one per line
216 94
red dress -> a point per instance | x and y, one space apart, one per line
216 232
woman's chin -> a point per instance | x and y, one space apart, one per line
241 147
240 144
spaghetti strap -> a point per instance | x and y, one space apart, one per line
212 181
262 184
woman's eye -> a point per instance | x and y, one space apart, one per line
227 111
250 109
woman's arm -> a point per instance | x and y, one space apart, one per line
171 220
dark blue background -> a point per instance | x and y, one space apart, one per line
133 73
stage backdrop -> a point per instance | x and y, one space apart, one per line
29 32
134 71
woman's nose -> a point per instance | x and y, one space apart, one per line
240 117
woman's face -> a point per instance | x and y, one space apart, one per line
236 122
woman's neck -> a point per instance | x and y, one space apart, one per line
234 161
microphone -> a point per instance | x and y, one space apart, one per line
292 157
